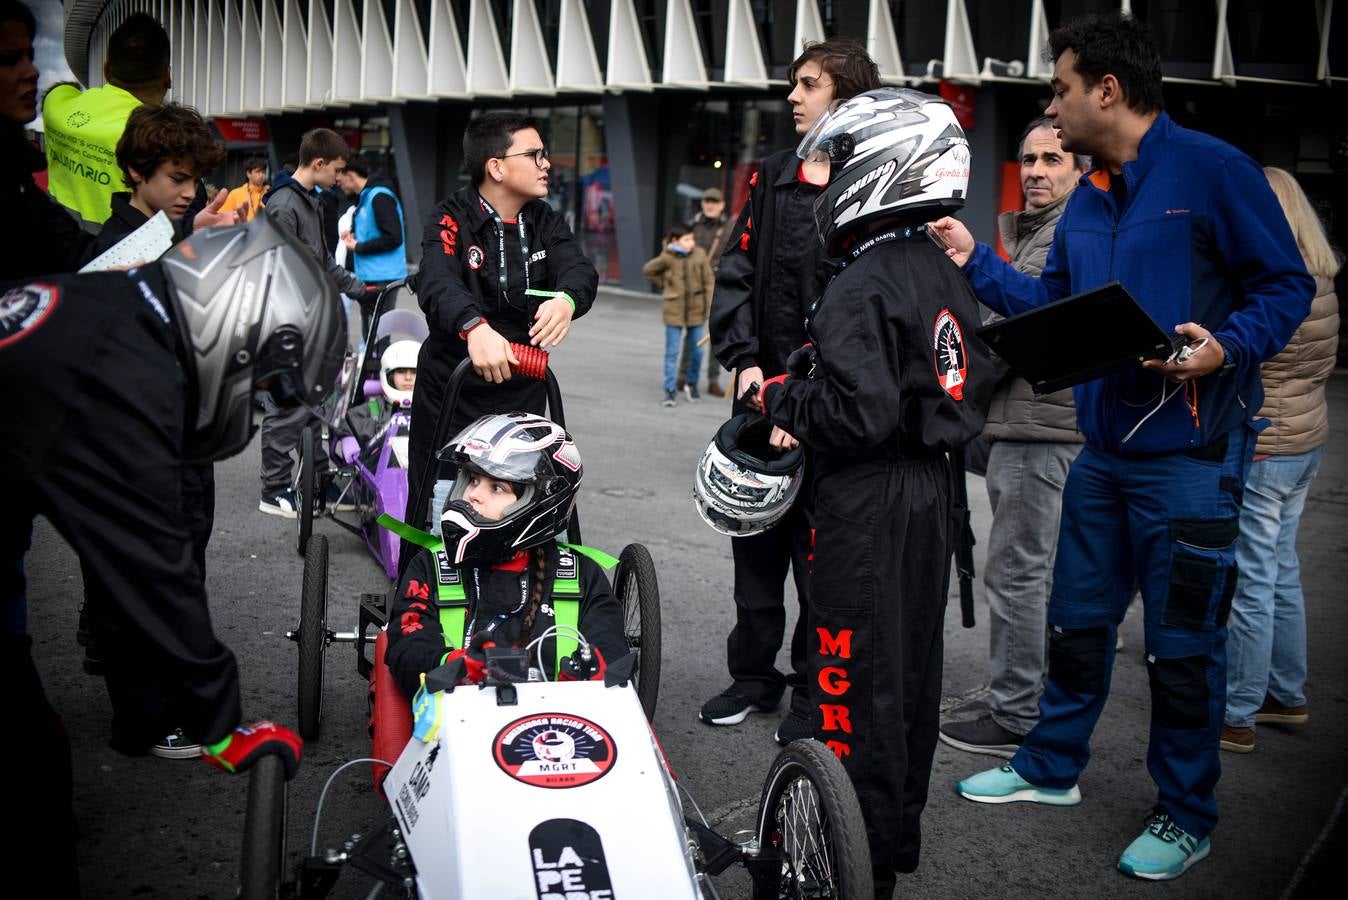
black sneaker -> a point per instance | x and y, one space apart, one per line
670 399
982 735
176 746
730 707
795 727
693 396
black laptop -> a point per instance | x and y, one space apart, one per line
1080 338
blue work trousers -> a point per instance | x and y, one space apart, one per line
1168 524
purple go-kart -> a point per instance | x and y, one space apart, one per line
349 473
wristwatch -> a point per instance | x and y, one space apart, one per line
469 324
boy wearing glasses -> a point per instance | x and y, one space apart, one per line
498 266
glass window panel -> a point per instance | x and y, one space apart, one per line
921 31
1275 39
597 11
845 17
549 14
651 19
1000 28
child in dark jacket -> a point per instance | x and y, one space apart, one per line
685 280
500 578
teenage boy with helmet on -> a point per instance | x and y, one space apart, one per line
498 266
771 270
891 380
136 374
1190 226
498 577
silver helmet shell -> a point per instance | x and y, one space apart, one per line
742 485
255 310
892 153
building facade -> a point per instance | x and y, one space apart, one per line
647 102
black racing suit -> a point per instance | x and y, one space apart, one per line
417 643
94 361
459 280
772 269
899 378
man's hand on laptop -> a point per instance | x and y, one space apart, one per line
1204 355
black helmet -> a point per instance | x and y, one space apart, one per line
531 452
743 485
255 309
892 153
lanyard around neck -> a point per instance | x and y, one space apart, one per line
501 278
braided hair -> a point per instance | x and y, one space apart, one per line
540 564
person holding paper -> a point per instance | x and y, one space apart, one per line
498 266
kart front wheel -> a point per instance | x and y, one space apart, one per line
313 636
639 593
262 863
810 820
306 488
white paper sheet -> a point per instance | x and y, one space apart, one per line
146 244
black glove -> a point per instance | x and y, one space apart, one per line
802 361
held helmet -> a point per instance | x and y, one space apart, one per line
892 153
743 485
533 453
256 312
399 355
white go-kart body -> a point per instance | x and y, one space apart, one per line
561 795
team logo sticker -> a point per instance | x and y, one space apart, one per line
476 257
952 365
23 309
553 750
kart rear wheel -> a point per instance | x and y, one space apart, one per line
313 636
639 593
306 488
262 862
810 819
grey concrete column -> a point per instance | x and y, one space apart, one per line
428 148
632 143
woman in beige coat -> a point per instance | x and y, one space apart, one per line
685 280
1266 647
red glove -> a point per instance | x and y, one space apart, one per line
576 668
249 743
474 662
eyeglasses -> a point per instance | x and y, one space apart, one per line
540 155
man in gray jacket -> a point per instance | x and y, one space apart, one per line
1034 441
296 209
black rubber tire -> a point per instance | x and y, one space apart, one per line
313 634
808 771
638 591
262 862
306 488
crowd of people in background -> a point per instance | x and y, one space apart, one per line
849 329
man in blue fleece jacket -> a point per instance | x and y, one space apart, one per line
1190 227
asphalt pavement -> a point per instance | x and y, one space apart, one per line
163 828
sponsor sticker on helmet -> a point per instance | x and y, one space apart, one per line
554 750
475 257
952 367
23 309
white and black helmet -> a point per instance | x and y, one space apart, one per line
254 308
892 153
533 453
743 485
399 355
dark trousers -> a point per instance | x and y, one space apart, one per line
761 564
877 601
1170 524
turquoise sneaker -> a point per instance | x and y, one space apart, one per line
1163 850
1005 786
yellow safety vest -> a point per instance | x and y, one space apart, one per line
82 129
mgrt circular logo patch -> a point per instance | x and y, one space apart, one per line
952 366
23 309
554 750
475 257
